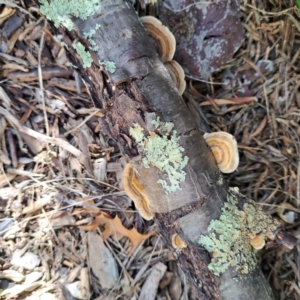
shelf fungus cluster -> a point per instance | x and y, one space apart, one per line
136 192
165 44
225 150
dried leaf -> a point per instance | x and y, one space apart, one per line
287 212
114 226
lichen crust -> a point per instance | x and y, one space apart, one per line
163 151
110 66
89 36
59 11
228 237
86 57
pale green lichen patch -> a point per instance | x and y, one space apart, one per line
163 151
137 133
89 36
228 238
110 66
220 181
59 11
85 55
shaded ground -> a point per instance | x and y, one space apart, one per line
47 195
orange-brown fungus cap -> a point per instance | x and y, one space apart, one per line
225 150
177 75
164 39
258 242
177 242
136 192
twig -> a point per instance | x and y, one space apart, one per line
11 4
52 140
41 82
82 123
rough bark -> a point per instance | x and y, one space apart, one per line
142 85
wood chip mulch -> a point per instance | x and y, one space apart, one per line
58 172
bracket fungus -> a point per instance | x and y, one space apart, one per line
177 242
136 192
257 241
225 150
177 75
165 45
164 39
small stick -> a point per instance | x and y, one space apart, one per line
12 149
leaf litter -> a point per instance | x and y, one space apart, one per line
255 97
67 227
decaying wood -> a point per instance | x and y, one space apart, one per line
140 85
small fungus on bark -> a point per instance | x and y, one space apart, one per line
136 192
225 150
257 241
177 75
177 242
164 39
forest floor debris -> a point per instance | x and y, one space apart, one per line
60 176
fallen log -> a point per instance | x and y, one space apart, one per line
128 81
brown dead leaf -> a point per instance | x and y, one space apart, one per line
114 226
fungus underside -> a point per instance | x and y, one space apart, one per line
163 151
228 237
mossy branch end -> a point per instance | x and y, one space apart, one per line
60 13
